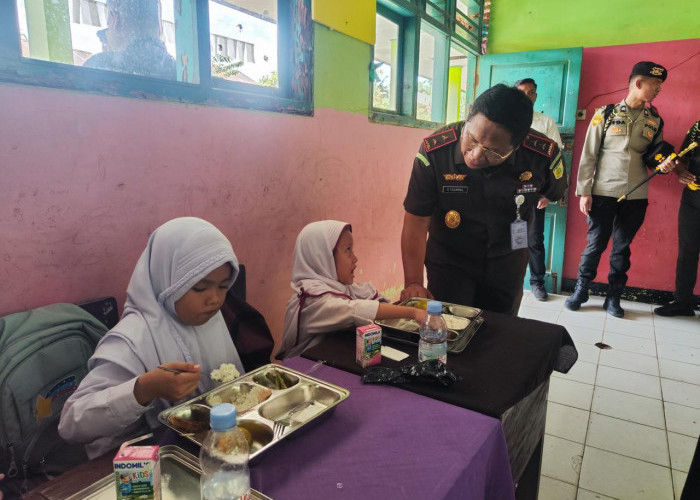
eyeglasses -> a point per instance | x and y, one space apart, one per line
492 156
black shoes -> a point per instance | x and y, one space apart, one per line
539 292
675 309
580 295
612 305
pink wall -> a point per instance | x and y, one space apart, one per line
604 74
86 178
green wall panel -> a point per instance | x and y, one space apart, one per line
341 71
518 25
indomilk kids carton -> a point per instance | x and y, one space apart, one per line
368 345
137 473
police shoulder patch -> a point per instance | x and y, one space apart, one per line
539 144
440 139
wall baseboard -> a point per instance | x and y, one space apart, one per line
629 293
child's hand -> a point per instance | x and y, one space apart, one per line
419 315
167 385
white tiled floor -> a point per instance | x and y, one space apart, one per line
623 423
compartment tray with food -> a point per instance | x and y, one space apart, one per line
272 402
462 324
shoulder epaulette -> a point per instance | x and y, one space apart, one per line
653 110
539 144
440 139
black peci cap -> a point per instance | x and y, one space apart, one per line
650 69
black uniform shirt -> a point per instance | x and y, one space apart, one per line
471 210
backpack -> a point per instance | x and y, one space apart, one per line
249 332
43 358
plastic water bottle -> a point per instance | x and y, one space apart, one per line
224 458
433 334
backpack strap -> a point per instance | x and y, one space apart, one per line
658 131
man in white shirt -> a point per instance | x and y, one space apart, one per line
547 126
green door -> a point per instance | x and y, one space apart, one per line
557 75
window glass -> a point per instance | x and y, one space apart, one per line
461 84
468 21
243 41
125 36
432 74
437 9
386 57
425 75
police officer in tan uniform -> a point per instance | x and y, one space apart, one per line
473 188
611 163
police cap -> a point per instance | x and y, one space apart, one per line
650 69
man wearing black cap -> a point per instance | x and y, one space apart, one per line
611 163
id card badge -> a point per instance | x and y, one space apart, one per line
518 228
518 234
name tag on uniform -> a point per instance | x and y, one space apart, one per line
518 234
455 189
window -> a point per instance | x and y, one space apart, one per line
431 75
468 23
236 34
424 60
461 79
240 53
386 64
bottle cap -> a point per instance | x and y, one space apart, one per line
222 417
434 307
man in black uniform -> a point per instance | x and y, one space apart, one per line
473 186
688 171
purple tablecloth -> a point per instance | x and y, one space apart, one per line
386 443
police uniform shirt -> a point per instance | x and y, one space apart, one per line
618 166
471 210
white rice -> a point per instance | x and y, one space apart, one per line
225 373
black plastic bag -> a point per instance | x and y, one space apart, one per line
425 371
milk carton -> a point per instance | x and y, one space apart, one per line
137 473
368 345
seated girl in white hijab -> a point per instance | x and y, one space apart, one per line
325 298
171 318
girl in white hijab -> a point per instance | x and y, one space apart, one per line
325 298
171 318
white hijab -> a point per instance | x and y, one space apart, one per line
314 263
314 274
179 254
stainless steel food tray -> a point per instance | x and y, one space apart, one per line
407 331
302 395
179 478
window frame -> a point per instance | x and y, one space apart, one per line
413 14
295 68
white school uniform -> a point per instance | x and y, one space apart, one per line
103 411
320 303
